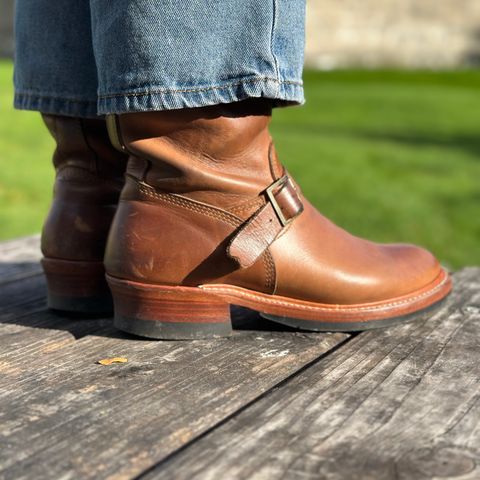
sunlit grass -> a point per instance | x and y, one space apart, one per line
392 156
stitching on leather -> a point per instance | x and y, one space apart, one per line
319 309
270 276
268 273
256 202
271 279
185 203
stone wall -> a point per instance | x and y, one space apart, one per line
6 28
370 33
407 33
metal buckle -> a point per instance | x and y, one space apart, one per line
281 182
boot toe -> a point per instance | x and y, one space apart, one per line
416 268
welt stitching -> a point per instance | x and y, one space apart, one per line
204 89
326 309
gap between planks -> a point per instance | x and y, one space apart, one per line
401 403
63 415
19 258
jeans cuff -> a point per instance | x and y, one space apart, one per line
57 105
282 92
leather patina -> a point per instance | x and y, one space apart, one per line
89 176
207 204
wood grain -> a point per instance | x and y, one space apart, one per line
400 403
19 258
68 416
23 303
62 415
265 403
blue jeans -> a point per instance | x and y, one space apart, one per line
93 57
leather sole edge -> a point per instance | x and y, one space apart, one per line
177 312
78 287
275 305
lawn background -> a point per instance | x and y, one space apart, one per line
391 156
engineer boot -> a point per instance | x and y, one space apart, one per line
89 178
208 217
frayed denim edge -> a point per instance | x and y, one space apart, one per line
55 105
283 93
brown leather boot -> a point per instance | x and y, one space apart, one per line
208 217
89 178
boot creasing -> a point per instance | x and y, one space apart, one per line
89 178
208 207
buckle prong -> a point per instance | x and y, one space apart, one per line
281 182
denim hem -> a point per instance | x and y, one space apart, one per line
282 92
57 105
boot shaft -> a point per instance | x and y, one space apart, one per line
221 155
208 218
201 185
83 147
89 178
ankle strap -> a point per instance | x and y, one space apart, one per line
265 225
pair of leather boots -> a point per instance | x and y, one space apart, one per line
179 214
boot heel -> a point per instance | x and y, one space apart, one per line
78 287
169 313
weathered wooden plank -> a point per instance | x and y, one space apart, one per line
26 326
64 416
400 403
20 249
19 258
23 295
28 330
20 342
23 303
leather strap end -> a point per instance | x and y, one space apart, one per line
264 226
249 243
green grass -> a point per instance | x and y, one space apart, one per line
25 171
391 156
